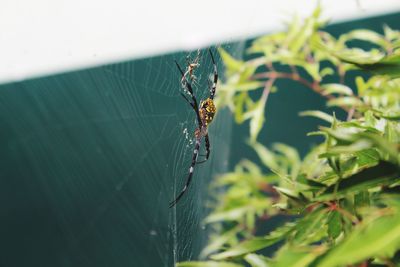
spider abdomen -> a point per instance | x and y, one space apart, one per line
207 111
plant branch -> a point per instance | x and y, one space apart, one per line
315 86
295 77
267 89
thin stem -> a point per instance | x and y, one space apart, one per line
270 66
351 113
315 86
295 77
335 206
341 73
267 89
256 61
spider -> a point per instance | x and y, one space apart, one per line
191 66
204 114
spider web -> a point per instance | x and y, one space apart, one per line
90 160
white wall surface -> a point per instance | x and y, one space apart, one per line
41 37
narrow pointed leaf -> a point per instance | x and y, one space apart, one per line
207 264
381 174
378 238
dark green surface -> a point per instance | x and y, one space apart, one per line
89 161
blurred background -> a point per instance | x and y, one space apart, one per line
95 139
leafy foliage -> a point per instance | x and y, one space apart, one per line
342 198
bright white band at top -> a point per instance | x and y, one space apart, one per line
43 37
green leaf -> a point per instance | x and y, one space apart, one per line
336 88
239 102
345 101
207 264
391 116
362 199
307 226
313 70
347 149
372 61
389 65
258 118
366 35
248 246
354 56
230 62
367 157
218 241
228 215
334 224
256 243
317 133
379 238
390 34
346 135
318 114
248 86
257 260
360 57
361 85
381 174
357 165
302 33
295 257
288 193
302 179
250 166
291 156
326 71
265 155
384 145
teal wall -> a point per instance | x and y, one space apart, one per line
90 159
